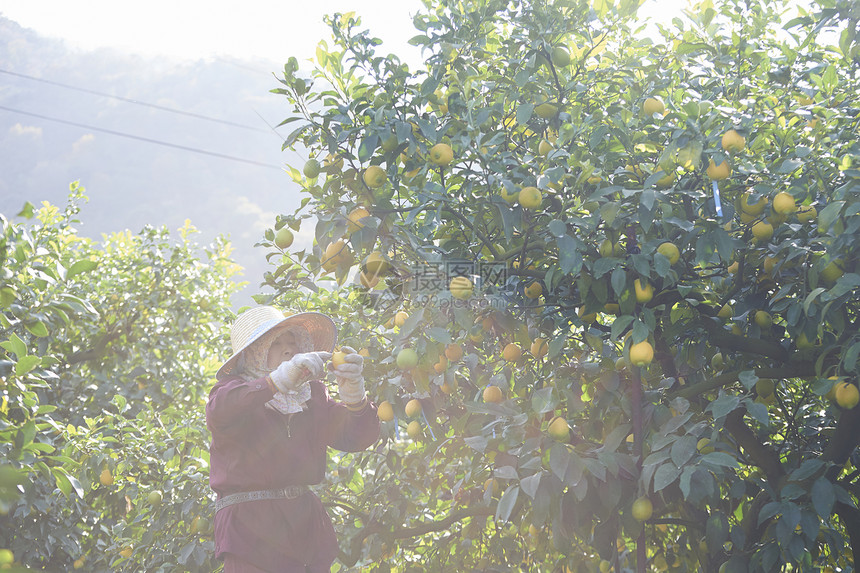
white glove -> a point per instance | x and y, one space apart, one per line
291 374
350 381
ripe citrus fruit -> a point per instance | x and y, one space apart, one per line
642 509
559 429
454 352
720 171
154 498
847 395
784 203
460 288
539 347
6 557
644 290
126 551
413 429
413 407
733 141
106 478
400 318
763 319
546 110
374 177
560 57
512 352
805 215
338 357
355 216
376 264
641 353
509 197
764 387
670 251
530 197
762 231
385 411
284 238
755 208
653 105
832 271
493 394
534 290
441 154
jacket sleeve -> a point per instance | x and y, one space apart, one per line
346 430
231 400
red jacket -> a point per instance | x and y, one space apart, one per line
254 449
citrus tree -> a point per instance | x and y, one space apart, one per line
605 281
107 351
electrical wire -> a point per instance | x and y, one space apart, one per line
139 138
128 100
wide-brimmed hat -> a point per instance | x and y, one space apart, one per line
252 324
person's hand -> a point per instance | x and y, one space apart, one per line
350 380
294 372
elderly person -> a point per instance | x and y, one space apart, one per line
271 420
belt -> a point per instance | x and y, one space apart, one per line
290 492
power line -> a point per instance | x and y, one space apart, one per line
139 138
128 100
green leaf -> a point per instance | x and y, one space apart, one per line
15 345
80 267
665 476
723 405
37 329
748 379
524 113
683 449
559 459
544 401
507 503
823 497
530 484
720 459
26 364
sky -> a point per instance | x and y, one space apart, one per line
194 29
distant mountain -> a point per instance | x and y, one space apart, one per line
141 164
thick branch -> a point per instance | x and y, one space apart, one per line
761 455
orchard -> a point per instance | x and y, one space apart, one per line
605 284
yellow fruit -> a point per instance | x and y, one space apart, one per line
336 253
78 563
670 251
106 478
355 216
642 509
407 359
726 312
559 429
374 177
376 264
453 352
604 566
762 231
763 319
803 342
732 269
733 141
653 105
641 353
400 318
704 446
612 308
512 352
717 361
441 365
154 498
413 429
460 288
832 271
441 154
534 290
413 407
736 329
332 163
666 181
385 411
126 551
492 484
509 197
283 238
784 204
754 209
805 215
368 280
847 395
718 172
6 557
493 394
769 265
644 290
530 197
544 147
546 110
539 347
338 357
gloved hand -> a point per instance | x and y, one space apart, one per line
350 381
291 374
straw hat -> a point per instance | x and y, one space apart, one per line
257 321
